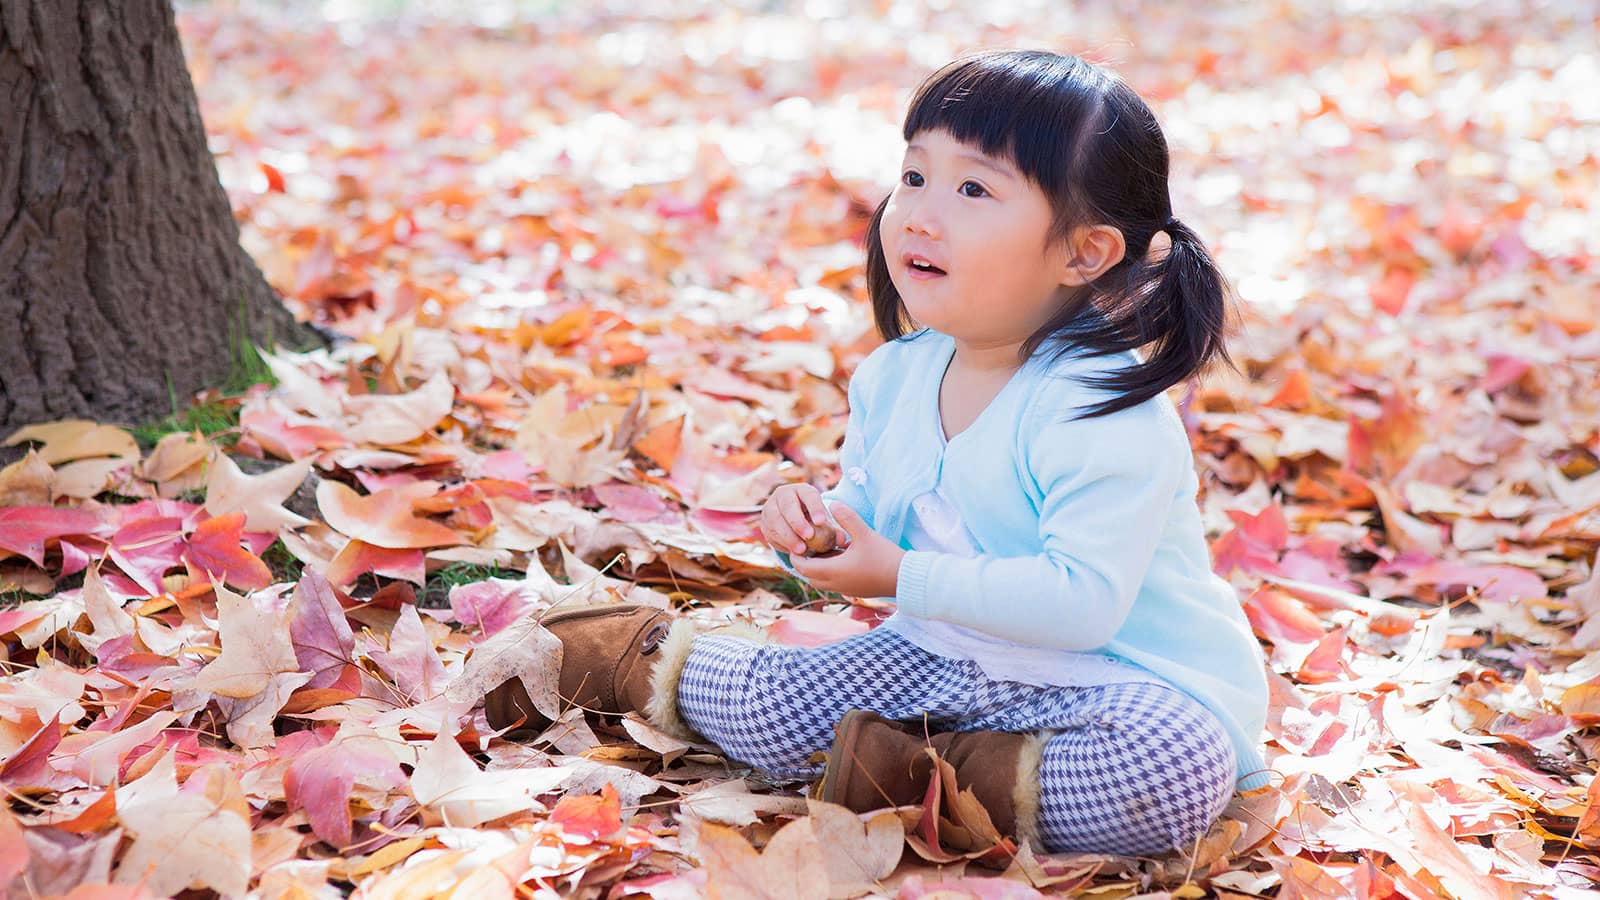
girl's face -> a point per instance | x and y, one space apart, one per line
980 221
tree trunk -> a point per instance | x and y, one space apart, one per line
122 283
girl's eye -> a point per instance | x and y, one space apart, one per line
905 178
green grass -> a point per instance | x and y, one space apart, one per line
13 597
284 565
435 593
217 417
801 594
218 420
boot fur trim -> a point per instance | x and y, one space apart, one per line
1025 791
662 709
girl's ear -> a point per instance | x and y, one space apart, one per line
1090 251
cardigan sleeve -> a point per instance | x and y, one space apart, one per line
851 487
1108 485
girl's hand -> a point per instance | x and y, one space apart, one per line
869 566
784 517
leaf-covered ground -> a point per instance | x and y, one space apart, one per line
600 275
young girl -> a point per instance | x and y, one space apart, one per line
1016 479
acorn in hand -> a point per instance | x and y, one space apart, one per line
823 541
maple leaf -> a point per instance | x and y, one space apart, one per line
259 497
789 867
96 756
357 558
147 547
28 529
27 482
383 518
387 419
177 463
73 439
196 837
106 615
321 635
411 659
592 818
572 448
492 604
257 667
320 780
527 651
214 551
447 780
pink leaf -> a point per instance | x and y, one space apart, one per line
26 529
323 641
411 660
320 780
491 605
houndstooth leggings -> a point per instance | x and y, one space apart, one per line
1136 769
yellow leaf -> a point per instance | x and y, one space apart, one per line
71 439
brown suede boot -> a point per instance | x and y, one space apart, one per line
617 658
876 762
606 657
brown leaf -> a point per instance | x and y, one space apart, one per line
788 868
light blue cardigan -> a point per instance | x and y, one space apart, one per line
1089 531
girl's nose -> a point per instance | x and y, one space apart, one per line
921 220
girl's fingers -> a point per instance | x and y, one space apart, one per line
819 513
795 514
778 531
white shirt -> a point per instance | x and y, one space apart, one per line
935 524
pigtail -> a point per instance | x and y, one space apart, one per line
1178 308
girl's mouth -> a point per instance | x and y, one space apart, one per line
923 270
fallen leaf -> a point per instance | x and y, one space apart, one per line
199 836
259 497
214 551
384 518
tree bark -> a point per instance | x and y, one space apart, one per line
123 287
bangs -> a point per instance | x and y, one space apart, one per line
1030 108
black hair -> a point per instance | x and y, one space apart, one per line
1092 145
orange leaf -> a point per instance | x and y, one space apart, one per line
1295 392
1277 616
807 628
214 549
660 444
595 817
1581 700
1326 662
384 518
359 557
1390 294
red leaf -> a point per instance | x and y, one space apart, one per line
215 549
1267 530
493 604
595 817
358 557
322 638
24 768
26 529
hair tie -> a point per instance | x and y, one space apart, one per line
1171 223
